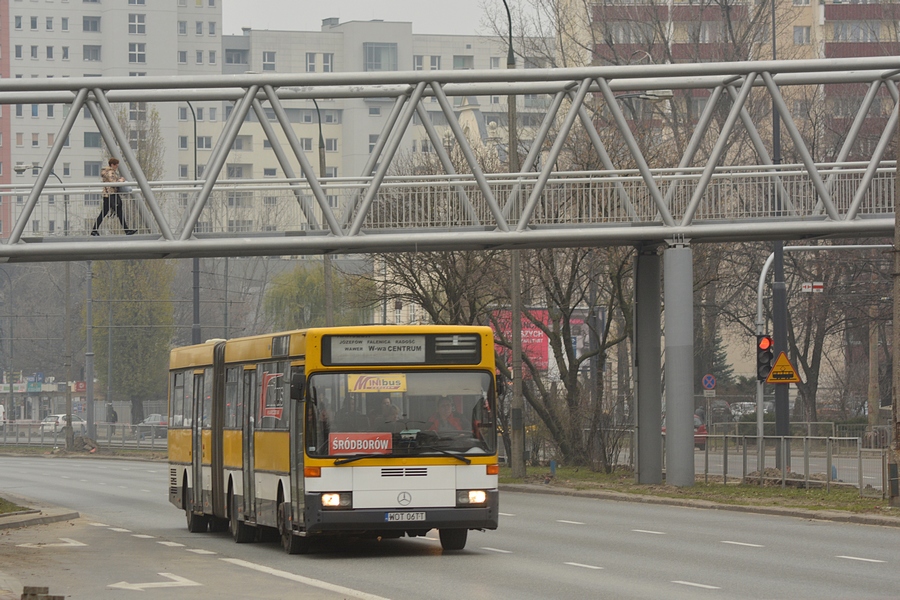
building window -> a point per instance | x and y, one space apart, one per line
418 62
65 53
92 139
64 23
49 52
235 172
495 62
269 172
331 145
198 27
137 24
91 53
92 169
327 62
66 169
18 110
182 57
182 113
856 31
212 57
463 62
374 111
212 113
136 2
182 142
18 23
331 171
310 62
35 140
211 28
182 171
137 53
801 36
88 24
137 111
34 21
34 110
268 61
50 111
18 52
306 144
204 142
34 51
373 139
379 56
199 57
49 24
435 63
235 57
182 27
801 2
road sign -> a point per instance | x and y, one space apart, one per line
709 393
806 287
818 286
709 382
783 371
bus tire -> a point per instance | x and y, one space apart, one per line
453 539
292 544
240 531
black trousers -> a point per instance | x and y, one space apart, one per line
112 204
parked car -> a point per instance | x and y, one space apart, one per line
154 425
56 423
700 433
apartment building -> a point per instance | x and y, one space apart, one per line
93 38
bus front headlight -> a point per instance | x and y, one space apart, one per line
337 500
471 497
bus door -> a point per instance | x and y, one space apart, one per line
298 415
197 441
249 394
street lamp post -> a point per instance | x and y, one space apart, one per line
9 312
89 353
70 434
195 327
326 258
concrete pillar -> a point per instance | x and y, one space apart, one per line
679 331
647 366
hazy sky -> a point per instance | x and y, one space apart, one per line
460 17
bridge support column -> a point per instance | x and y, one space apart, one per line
679 332
647 365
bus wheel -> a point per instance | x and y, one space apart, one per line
292 544
453 539
195 523
240 531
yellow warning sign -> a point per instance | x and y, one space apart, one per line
783 371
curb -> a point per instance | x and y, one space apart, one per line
37 513
830 515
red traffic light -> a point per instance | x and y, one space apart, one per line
764 342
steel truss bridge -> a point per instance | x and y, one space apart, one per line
702 199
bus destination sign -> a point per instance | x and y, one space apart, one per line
381 349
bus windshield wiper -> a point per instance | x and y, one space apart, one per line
350 459
447 452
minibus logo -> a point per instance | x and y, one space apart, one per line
389 382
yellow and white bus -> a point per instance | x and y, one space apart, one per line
363 431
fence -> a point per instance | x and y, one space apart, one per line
109 435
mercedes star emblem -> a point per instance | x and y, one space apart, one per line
404 498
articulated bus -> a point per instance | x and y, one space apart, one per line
370 431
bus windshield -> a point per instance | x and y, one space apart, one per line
400 413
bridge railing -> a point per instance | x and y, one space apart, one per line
442 202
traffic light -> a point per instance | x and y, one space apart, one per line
765 356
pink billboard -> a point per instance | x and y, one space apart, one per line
534 341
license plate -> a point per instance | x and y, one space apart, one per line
404 516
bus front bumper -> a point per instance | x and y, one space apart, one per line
319 520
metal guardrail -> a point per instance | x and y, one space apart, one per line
109 435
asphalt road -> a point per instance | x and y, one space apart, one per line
130 538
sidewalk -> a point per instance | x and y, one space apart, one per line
38 513
821 515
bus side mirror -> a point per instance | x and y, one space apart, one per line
298 385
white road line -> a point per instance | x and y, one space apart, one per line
99 524
496 550
506 514
143 536
324 585
699 585
571 564
122 487
569 522
871 560
200 551
148 491
743 544
120 529
171 544
648 531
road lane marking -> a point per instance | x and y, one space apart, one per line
698 585
120 529
569 522
743 544
648 531
143 536
871 560
506 514
489 549
571 564
176 581
67 543
324 585
99 524
148 491
201 551
171 544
